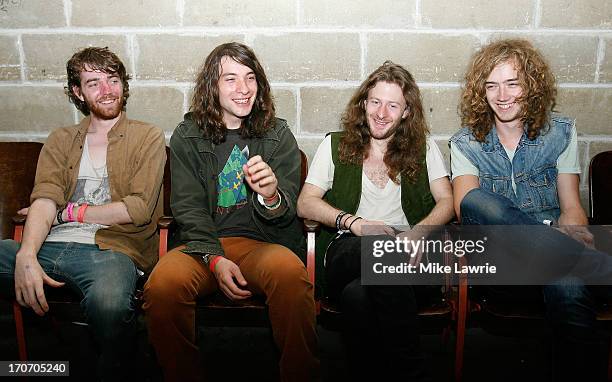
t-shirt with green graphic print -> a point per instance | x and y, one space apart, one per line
233 216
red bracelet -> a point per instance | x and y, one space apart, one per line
272 198
214 262
81 213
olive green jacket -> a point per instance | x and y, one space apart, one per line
194 188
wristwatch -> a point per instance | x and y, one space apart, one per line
206 258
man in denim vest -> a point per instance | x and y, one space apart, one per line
381 171
515 163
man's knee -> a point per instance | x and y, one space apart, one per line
292 275
354 299
286 276
166 287
108 305
489 207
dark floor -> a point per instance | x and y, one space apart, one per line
248 354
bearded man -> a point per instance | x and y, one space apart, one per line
91 225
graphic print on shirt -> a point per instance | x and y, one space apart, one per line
231 189
93 188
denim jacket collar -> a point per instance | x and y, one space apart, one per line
492 142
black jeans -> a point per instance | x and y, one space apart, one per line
379 323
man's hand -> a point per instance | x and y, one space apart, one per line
29 280
225 272
413 235
579 233
23 211
364 227
260 177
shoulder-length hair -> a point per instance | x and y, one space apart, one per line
205 105
534 76
94 58
406 147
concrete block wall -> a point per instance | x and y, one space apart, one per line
316 52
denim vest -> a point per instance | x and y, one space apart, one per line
534 166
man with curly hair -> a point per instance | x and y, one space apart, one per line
515 163
235 180
92 224
381 171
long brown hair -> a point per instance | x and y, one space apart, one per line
94 58
205 105
406 147
534 76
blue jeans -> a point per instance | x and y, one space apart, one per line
105 280
570 304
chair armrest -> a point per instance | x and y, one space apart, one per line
310 228
165 222
311 225
19 222
163 225
19 219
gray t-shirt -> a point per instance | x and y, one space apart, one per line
92 188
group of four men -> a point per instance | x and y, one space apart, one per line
235 184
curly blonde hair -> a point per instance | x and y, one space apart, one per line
405 149
534 76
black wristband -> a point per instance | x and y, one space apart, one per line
354 220
59 217
347 216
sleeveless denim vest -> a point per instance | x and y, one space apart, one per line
534 166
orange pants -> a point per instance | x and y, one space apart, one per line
270 269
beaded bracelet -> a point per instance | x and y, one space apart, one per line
59 217
275 205
339 219
70 210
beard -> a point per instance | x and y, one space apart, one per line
386 134
106 112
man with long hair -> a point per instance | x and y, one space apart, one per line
235 179
515 163
96 200
381 170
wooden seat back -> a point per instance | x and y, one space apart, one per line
600 188
17 171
